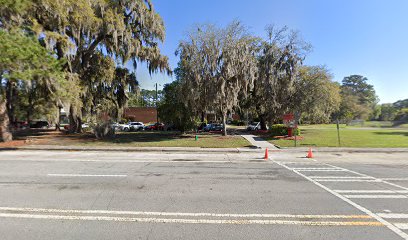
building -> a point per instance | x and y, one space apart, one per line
140 114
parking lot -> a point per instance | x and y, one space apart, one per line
133 195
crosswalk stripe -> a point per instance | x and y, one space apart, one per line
375 196
393 215
402 226
371 191
347 180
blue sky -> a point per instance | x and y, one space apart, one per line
366 37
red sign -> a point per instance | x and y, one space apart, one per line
288 117
289 120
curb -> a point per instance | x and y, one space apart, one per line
140 149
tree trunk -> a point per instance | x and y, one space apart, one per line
10 96
5 134
75 122
28 116
79 126
224 124
263 122
58 120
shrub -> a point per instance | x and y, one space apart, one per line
278 130
281 130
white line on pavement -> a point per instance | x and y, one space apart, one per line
359 207
83 175
393 215
191 221
365 175
394 179
371 191
200 214
337 177
348 180
319 170
403 226
375 196
316 168
300 163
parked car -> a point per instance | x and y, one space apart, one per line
213 127
156 126
254 126
39 124
136 126
125 127
207 127
201 126
217 127
20 125
116 126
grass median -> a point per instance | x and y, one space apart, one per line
326 136
141 139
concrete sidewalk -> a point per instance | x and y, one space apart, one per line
258 142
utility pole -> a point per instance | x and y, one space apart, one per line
338 131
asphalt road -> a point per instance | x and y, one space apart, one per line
114 195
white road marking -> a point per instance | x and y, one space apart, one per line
83 175
371 191
403 226
199 214
393 215
320 170
365 175
300 163
315 168
337 177
348 180
191 221
394 179
359 207
375 196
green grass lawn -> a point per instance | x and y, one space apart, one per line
159 139
326 136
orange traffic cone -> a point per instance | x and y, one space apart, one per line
310 153
266 154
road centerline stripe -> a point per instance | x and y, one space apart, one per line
184 214
190 221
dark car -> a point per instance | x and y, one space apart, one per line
201 126
217 127
156 126
20 125
39 124
213 127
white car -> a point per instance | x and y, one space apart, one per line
136 126
254 126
